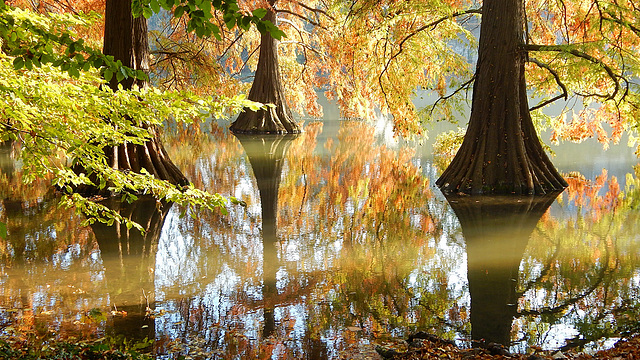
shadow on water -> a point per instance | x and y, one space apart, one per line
496 231
266 154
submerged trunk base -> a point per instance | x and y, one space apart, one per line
268 121
150 156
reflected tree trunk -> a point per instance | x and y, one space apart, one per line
266 155
267 89
496 231
129 262
7 164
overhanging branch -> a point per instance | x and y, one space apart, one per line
564 49
316 11
430 25
564 94
312 22
465 85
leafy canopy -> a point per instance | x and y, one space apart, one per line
56 102
200 15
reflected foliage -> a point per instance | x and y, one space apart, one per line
342 244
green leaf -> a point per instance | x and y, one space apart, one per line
108 74
74 72
18 63
206 9
200 31
155 6
167 4
177 13
259 13
245 24
229 20
274 31
216 32
146 12
141 75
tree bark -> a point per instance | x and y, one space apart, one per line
126 38
267 89
501 152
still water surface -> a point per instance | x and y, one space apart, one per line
344 243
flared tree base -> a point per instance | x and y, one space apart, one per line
127 157
268 121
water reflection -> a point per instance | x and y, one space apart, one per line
343 244
266 155
129 259
496 231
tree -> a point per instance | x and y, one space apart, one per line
267 89
126 39
501 152
584 50
55 105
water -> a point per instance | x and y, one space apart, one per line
344 243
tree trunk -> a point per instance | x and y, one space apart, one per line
501 152
267 89
126 38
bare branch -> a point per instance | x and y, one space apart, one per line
302 45
230 45
465 85
316 11
312 22
432 25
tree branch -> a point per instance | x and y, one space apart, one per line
465 85
564 94
435 23
564 49
314 23
316 11
431 25
631 27
230 45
